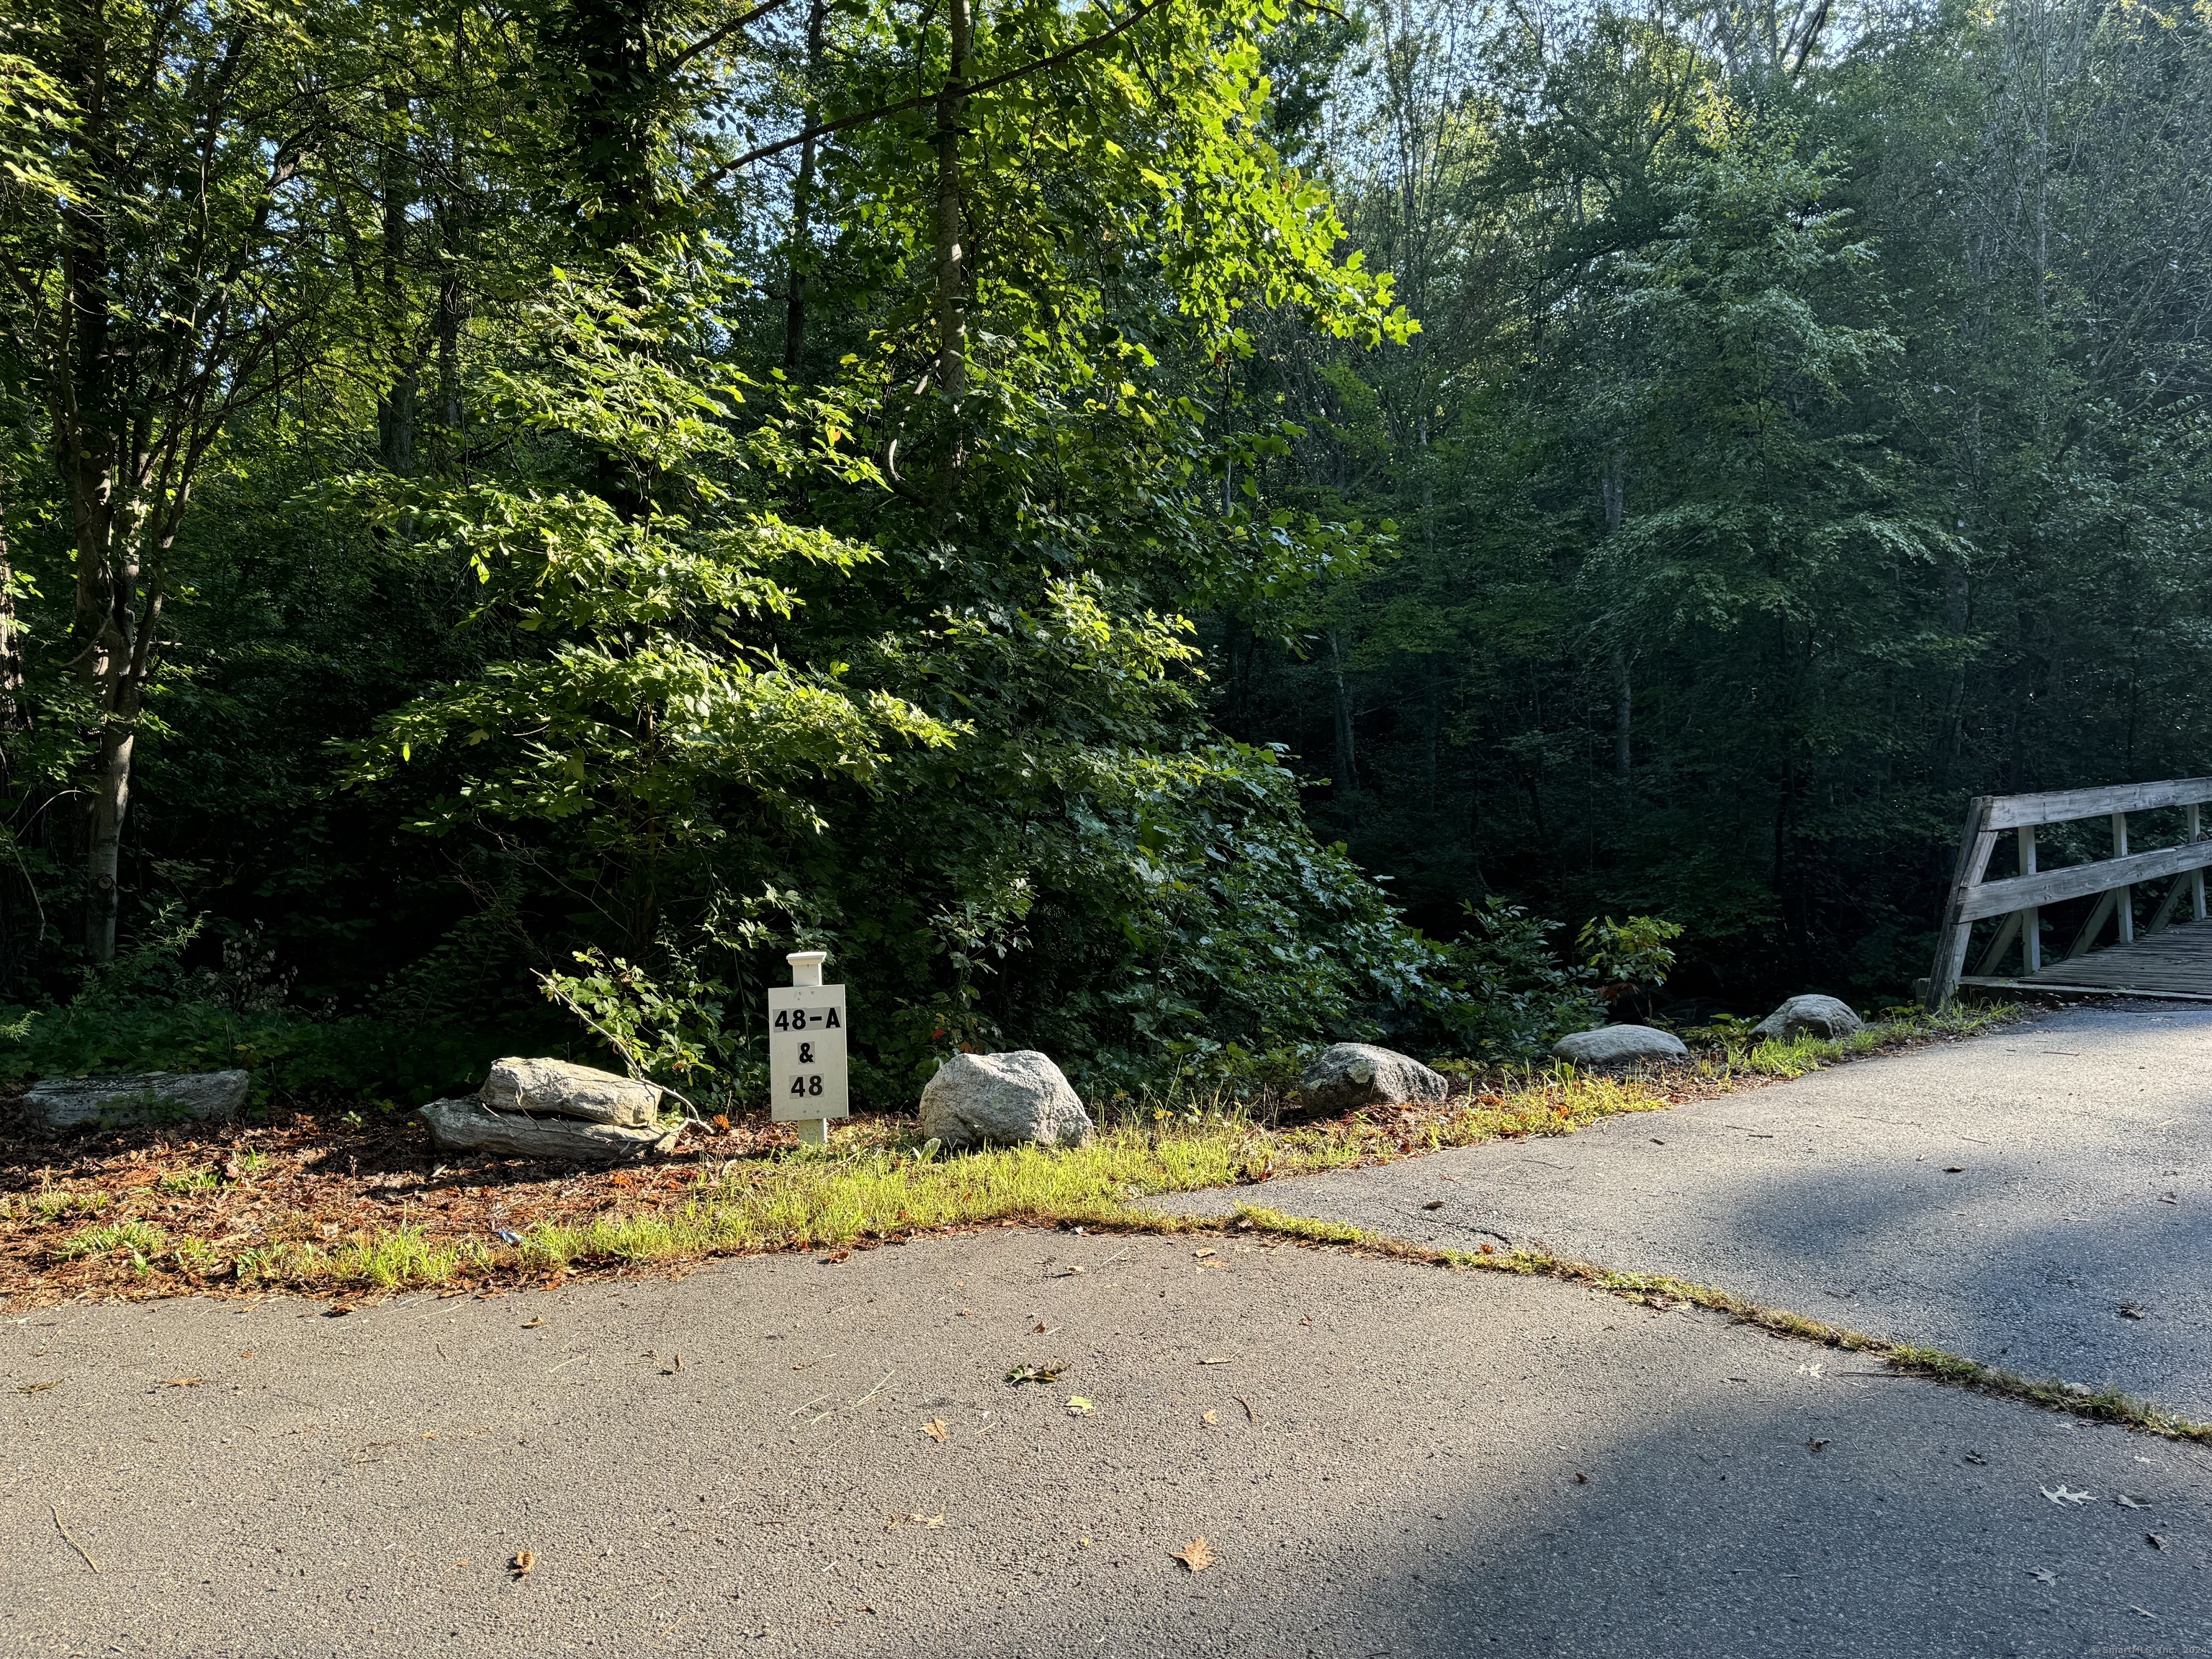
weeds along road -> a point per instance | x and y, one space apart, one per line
1382 1457
2039 1198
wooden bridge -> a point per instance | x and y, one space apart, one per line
2165 953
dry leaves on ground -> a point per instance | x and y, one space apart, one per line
523 1562
1194 1555
935 1430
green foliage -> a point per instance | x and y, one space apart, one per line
1631 953
1515 996
659 1032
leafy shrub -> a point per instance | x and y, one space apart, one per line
1511 995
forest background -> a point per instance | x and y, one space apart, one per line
1166 532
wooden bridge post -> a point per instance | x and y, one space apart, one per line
2030 920
2124 898
2196 877
1975 846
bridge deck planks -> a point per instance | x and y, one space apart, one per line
2174 962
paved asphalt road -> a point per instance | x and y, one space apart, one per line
2083 1147
1404 1482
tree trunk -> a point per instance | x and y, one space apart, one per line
952 275
395 408
802 201
12 715
1612 496
1347 761
1621 711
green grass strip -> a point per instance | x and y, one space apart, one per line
2106 1405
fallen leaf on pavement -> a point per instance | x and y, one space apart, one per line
182 1381
936 1520
1815 1446
2146 1612
2129 1310
2043 1576
935 1430
1068 1272
1079 1406
2066 1494
1203 1253
1223 1360
523 1562
1955 1168
1581 1479
29 1388
338 1312
2156 1541
1250 1416
1194 1555
532 1324
1039 1328
2128 1501
1208 1418
1022 1373
1434 1204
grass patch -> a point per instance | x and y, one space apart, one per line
857 1193
1732 1053
878 1181
142 1238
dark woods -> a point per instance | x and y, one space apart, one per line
592 497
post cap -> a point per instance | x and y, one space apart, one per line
806 966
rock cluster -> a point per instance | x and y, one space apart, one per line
1612 1046
1346 1076
147 1097
1813 1016
555 1110
986 1100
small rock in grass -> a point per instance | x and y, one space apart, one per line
471 1126
144 1098
1346 1076
571 1090
983 1100
1809 1016
1619 1045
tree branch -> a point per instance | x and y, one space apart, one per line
986 84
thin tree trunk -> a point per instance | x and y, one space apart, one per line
12 715
802 201
395 408
1613 496
1347 761
1621 724
952 274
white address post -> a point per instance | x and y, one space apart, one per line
806 1027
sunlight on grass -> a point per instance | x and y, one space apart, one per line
879 1181
140 1238
857 1193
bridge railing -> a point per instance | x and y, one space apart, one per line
2020 898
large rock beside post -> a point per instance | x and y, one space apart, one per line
1809 1016
469 1125
1612 1046
142 1098
1346 1076
567 1089
1002 1100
